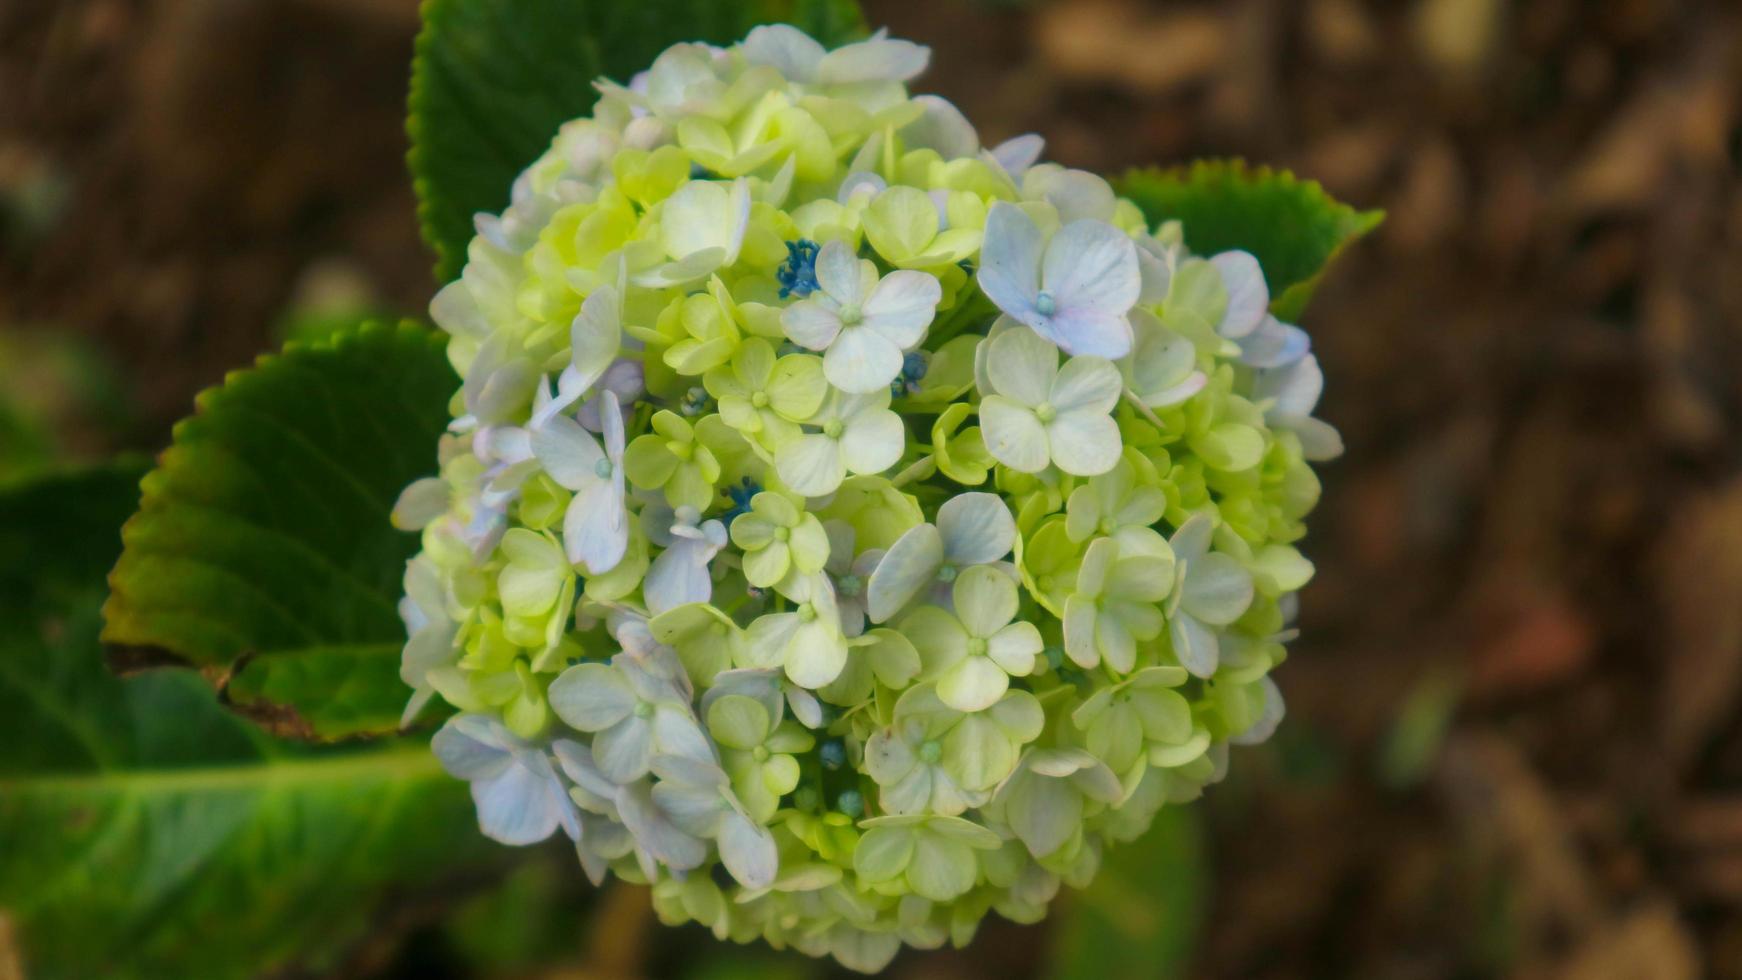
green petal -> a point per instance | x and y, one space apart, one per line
985 600
1046 815
765 567
647 463
1165 715
1217 590
752 532
900 223
797 387
738 722
1020 715
809 544
1230 447
941 869
882 853
811 465
937 636
1279 568
816 653
1014 436
973 684
1021 365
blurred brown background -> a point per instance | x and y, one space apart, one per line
1514 745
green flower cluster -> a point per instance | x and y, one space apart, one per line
844 528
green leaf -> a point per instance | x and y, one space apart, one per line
262 551
493 79
1292 226
148 832
1139 919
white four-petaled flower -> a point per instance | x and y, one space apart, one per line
1073 288
863 324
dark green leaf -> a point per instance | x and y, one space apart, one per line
493 79
148 832
1140 917
262 550
1292 226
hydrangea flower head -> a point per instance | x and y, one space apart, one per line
848 527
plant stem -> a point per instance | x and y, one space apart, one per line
919 469
1144 410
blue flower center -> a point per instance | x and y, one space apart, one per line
913 367
946 573
602 469
740 494
1045 304
695 401
798 274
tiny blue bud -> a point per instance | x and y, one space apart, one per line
695 402
1055 657
850 803
834 754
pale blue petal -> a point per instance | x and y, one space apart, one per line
911 562
591 697
596 527
624 751
470 747
517 807
1091 266
942 128
1194 644
840 274
567 452
1086 384
872 442
1083 443
1274 344
1017 154
902 305
784 48
976 528
1248 295
748 852
1010 260
861 360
